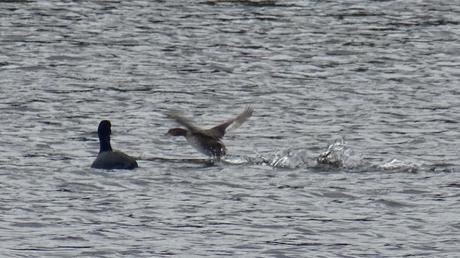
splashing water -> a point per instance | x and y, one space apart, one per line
289 159
339 155
399 165
334 155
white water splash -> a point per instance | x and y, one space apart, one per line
339 155
399 165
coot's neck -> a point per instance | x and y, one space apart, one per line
104 142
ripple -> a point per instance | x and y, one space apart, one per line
379 76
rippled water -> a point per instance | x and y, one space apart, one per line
352 150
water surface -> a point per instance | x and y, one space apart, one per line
369 87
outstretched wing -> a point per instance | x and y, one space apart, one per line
232 124
182 120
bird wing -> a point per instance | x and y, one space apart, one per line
182 120
231 124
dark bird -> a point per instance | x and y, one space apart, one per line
108 158
207 141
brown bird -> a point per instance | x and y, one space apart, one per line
108 158
207 141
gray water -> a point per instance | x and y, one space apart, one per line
352 150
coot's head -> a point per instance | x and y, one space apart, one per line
177 132
104 129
